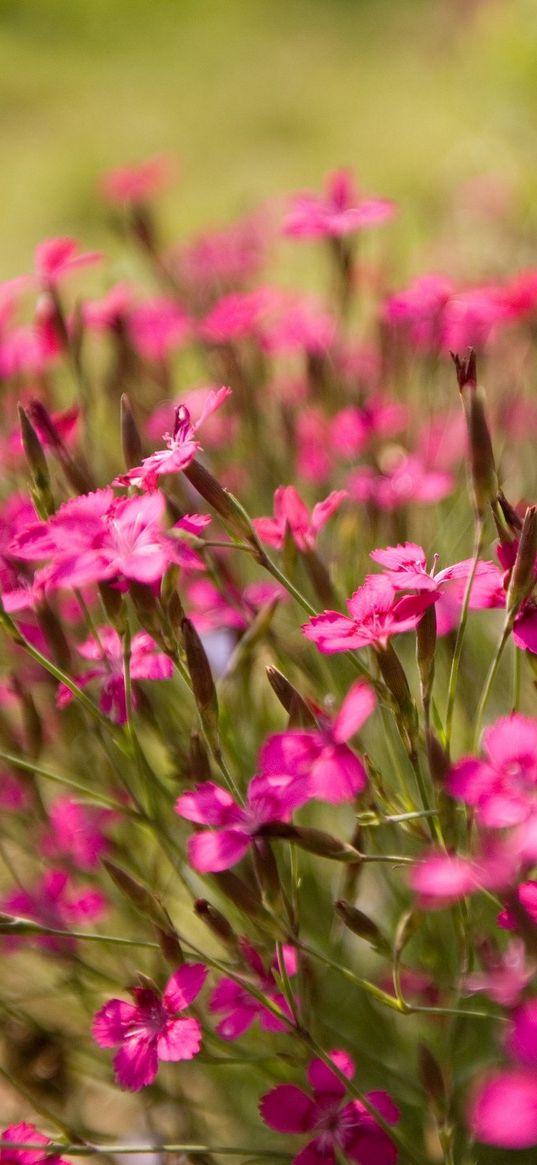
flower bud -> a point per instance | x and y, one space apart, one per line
76 472
394 677
202 680
267 875
199 765
170 946
290 699
482 467
245 897
360 924
523 574
431 1079
142 899
425 652
225 504
131 441
217 923
37 462
314 841
320 579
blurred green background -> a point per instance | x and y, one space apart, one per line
262 97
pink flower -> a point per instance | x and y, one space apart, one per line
223 258
218 428
75 831
97 537
291 514
376 616
526 894
27 1135
146 663
239 1008
181 446
139 182
342 211
405 479
240 315
406 568
503 788
504 1109
148 1030
209 804
337 1126
57 258
54 903
330 769
420 308
352 428
505 977
157 327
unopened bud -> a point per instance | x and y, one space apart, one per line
409 923
255 633
523 575
267 875
114 605
245 897
217 923
225 504
363 926
395 679
320 578
198 759
291 700
37 462
425 652
314 841
143 899
508 523
438 759
168 941
202 679
431 1079
76 472
131 441
483 469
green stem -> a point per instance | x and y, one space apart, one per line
455 663
95 794
77 1150
489 681
517 660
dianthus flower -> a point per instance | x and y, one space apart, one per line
341 211
76 831
239 1008
57 258
146 663
97 537
291 514
503 787
149 1029
322 758
54 903
27 1134
209 804
181 446
406 568
138 183
336 1125
376 616
405 479
157 327
504 1108
505 976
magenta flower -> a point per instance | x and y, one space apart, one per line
405 479
181 446
505 976
209 804
341 211
75 831
291 514
504 1109
406 568
337 1126
331 771
239 1008
27 1134
57 258
149 1030
157 327
54 903
376 616
503 787
97 537
146 663
138 183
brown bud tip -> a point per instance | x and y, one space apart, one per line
431 1078
363 926
465 367
216 922
290 699
523 576
131 442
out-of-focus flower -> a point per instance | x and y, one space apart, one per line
27 1134
341 211
291 514
140 182
239 1008
54 903
503 787
336 1126
146 663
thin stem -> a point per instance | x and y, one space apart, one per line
77 1150
95 794
517 661
455 663
490 680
